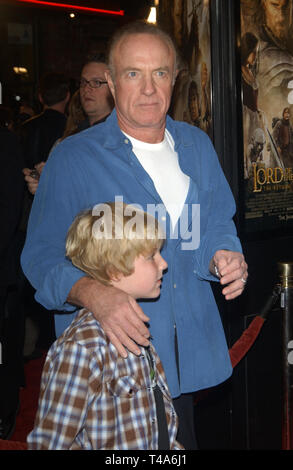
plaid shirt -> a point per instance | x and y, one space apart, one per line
91 398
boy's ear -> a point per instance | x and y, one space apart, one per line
114 275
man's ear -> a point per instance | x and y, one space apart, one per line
109 79
175 76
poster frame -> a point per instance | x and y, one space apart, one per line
259 232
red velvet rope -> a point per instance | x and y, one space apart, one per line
244 343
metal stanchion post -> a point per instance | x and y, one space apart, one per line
286 278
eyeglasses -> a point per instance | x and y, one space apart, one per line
94 83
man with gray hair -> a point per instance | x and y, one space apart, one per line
140 155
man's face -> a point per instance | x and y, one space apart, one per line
143 83
286 115
278 17
95 101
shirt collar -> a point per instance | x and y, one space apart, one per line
115 137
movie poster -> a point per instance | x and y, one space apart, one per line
188 21
267 105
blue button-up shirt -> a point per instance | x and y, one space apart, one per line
98 165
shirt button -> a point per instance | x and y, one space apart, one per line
174 286
163 218
126 141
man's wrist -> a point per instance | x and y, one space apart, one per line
83 291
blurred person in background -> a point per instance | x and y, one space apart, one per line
90 105
11 313
37 136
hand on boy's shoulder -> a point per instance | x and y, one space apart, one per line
119 314
123 321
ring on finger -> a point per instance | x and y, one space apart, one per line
217 271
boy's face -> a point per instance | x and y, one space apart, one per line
145 281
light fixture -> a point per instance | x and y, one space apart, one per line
74 7
72 15
152 18
20 70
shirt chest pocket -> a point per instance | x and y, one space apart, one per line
124 387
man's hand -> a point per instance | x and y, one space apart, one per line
32 182
231 268
119 314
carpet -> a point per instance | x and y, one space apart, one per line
29 396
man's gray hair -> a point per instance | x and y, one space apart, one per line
139 27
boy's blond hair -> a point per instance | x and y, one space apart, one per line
104 247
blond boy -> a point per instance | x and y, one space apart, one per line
92 398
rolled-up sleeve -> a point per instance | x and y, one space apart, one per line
218 231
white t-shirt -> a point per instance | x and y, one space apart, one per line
160 161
